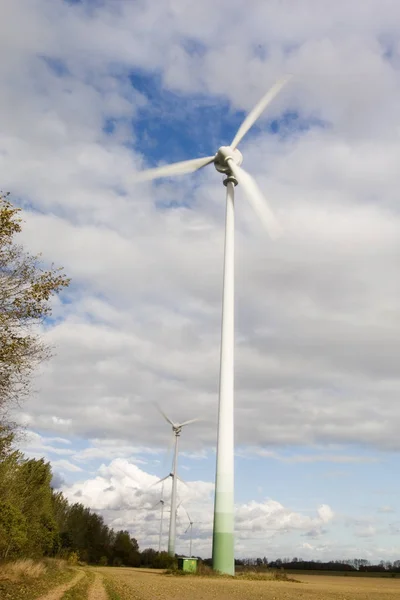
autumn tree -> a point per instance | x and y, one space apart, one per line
25 293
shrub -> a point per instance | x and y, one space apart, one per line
73 558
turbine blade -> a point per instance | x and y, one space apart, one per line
256 199
179 168
188 422
168 452
159 481
164 415
162 493
257 110
181 480
187 529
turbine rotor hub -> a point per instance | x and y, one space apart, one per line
222 157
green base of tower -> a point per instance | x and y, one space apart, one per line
223 553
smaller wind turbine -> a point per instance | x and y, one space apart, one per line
190 526
176 428
162 503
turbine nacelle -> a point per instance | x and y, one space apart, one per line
228 160
224 155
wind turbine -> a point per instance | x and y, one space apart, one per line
176 428
162 503
190 526
227 160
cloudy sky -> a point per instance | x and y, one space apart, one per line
93 91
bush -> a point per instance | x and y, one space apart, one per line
164 561
103 562
54 564
73 558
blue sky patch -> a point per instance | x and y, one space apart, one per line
173 127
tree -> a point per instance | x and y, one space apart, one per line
25 293
126 549
27 523
33 496
13 530
36 521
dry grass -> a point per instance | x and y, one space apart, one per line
248 575
26 579
55 564
270 575
22 569
28 569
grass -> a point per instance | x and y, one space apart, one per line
27 579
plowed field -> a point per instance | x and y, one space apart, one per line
141 584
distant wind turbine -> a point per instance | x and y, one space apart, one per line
162 503
189 527
176 428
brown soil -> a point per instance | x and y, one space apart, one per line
57 592
146 585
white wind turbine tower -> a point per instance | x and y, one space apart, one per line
190 526
176 428
162 503
227 160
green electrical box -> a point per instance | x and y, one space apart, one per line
187 564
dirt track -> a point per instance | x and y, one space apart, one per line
58 591
150 585
97 591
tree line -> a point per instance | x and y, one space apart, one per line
37 521
299 564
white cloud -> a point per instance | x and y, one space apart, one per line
386 509
307 458
127 496
65 465
36 445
